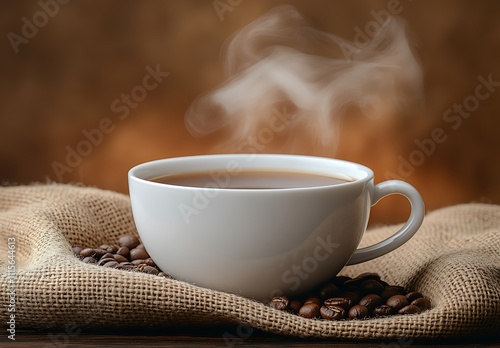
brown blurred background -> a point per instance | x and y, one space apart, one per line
75 60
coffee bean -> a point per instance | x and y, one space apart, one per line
358 312
423 303
111 264
352 296
77 249
397 302
410 309
123 251
149 261
332 312
372 286
371 301
382 311
295 306
340 280
353 282
412 296
328 290
99 252
309 310
140 246
150 270
313 299
128 241
89 259
103 260
108 255
111 249
390 291
137 262
120 258
87 252
163 274
369 275
138 254
279 302
341 302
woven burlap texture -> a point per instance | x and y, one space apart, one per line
454 259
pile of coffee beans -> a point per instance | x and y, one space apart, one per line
366 296
127 254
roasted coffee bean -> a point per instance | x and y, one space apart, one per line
372 286
382 311
332 312
89 259
295 306
390 291
410 309
371 301
87 252
353 282
128 241
423 303
149 261
397 302
412 296
352 296
104 260
123 251
279 302
99 252
342 302
150 270
120 258
328 290
163 274
112 249
111 264
340 280
358 312
313 299
369 275
309 310
138 254
108 255
126 266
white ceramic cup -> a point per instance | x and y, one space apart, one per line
261 242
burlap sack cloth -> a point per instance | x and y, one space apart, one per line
454 259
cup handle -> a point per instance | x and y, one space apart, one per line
405 233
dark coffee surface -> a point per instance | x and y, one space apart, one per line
250 179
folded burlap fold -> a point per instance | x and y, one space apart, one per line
454 259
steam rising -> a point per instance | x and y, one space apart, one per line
280 59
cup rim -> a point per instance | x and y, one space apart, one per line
133 174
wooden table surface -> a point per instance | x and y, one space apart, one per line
213 337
